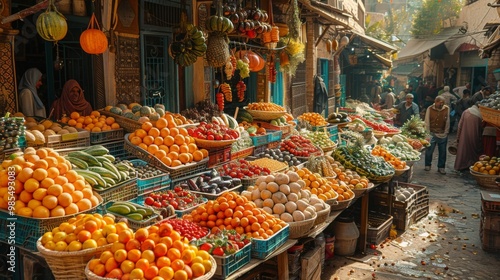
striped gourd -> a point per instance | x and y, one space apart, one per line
51 25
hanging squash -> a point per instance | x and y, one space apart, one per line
261 65
51 25
93 40
253 61
284 60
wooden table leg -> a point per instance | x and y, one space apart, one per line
364 223
283 266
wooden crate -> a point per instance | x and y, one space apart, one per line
311 263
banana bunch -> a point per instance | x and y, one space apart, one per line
188 46
225 88
131 210
220 24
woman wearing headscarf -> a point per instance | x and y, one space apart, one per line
30 103
72 100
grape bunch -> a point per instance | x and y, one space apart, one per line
244 68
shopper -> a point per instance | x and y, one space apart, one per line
389 99
72 100
450 99
469 134
30 103
437 124
460 90
480 95
406 109
462 104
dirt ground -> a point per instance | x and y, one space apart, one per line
444 245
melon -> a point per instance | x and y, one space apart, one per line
47 132
258 202
279 208
260 180
63 131
301 204
39 137
255 194
282 178
154 116
122 106
292 197
268 210
30 125
279 197
160 106
160 111
298 216
286 217
145 111
272 186
72 130
136 108
129 115
29 119
116 110
143 119
294 187
30 138
108 108
265 194
293 176
247 194
290 206
126 111
284 188
268 203
133 104
270 178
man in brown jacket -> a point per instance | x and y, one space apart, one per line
437 124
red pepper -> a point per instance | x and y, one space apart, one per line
220 100
206 247
218 251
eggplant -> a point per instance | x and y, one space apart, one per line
217 190
192 185
199 181
236 181
226 178
213 191
215 180
206 178
224 184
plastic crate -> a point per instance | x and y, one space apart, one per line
259 149
123 191
404 218
273 145
274 136
140 198
78 143
286 129
117 149
229 264
490 201
379 226
27 231
242 153
218 156
105 136
261 249
259 140
145 186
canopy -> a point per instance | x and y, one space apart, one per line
416 47
376 43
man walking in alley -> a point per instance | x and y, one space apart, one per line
437 124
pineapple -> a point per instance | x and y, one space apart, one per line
414 128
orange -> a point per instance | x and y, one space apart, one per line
148 140
111 264
127 266
125 236
141 234
184 158
161 123
75 115
79 184
53 172
151 272
179 139
148 255
134 255
160 153
25 174
164 132
160 250
155 132
120 255
40 174
152 149
198 155
84 204
31 185
168 140
58 211
147 126
110 120
141 133
71 209
181 275
55 190
147 244
65 199
136 140
183 131
198 269
192 148
204 152
187 256
174 131
173 254
142 264
158 140
177 264
166 272
137 273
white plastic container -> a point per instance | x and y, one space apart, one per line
346 236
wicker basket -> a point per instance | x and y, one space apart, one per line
208 144
69 265
322 215
208 275
299 229
399 172
381 179
360 192
484 180
490 115
265 115
336 205
127 124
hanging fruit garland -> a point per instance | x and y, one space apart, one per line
241 87
93 40
51 25
294 46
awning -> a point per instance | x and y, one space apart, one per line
415 47
405 69
329 13
383 60
376 43
492 44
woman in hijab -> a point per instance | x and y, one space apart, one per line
30 103
71 100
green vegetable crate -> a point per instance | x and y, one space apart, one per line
146 186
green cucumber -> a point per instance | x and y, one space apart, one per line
79 163
104 172
96 150
91 160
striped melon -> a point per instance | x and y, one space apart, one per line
51 25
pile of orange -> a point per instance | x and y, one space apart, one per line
168 142
233 211
45 186
82 232
388 157
318 185
157 252
94 123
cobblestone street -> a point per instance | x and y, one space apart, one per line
444 245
